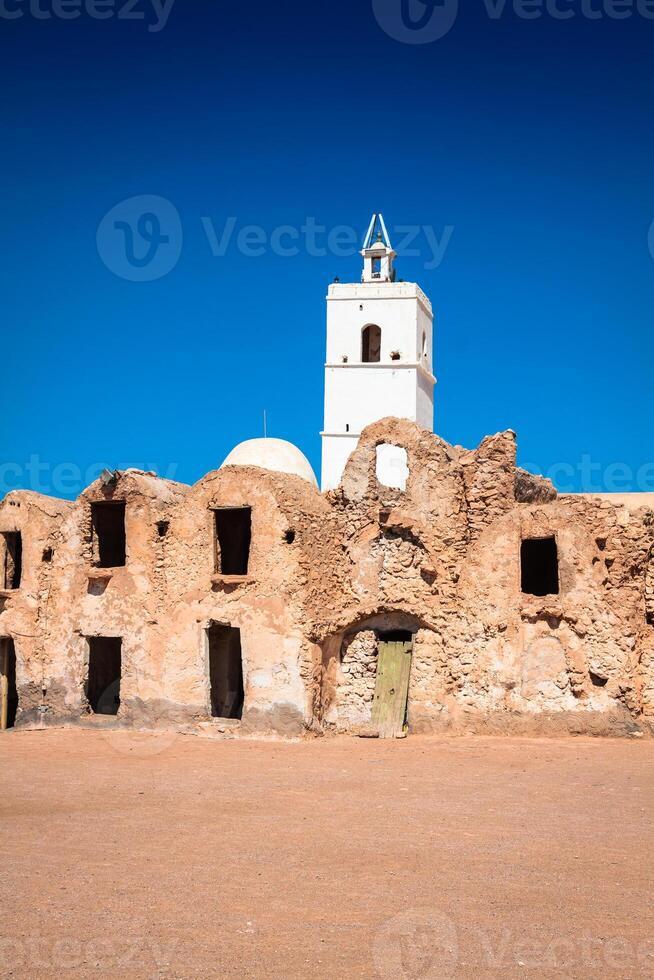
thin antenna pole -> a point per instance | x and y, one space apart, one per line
265 425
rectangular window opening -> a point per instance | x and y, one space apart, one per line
225 671
109 547
103 682
13 559
233 535
540 566
8 690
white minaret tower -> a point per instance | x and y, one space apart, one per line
379 354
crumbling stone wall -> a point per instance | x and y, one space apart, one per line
327 574
431 683
515 662
648 548
356 683
28 612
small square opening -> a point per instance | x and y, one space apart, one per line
225 671
109 543
12 565
540 566
233 534
103 682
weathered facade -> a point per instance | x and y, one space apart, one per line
253 603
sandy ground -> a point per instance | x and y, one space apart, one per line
146 856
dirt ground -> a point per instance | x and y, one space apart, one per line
160 856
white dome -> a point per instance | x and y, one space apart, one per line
272 454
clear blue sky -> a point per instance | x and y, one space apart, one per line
532 139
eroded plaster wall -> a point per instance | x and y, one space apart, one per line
327 574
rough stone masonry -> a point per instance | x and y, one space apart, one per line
252 603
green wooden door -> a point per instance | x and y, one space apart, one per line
392 688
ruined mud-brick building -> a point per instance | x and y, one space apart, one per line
428 588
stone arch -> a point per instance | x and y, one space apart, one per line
350 666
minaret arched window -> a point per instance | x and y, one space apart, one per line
371 344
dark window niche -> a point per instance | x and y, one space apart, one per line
225 671
12 559
109 543
103 682
540 566
9 695
233 534
371 344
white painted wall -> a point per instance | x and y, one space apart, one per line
336 450
401 309
425 402
357 394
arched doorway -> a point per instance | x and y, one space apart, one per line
366 675
371 344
